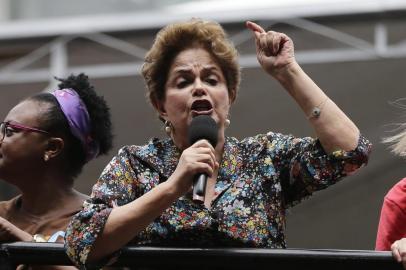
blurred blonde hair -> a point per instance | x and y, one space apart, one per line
177 37
398 141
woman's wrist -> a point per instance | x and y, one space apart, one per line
19 235
286 75
171 190
26 237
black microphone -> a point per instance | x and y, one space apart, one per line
202 127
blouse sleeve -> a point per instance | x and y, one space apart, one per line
304 166
116 186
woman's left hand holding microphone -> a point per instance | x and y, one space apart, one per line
196 159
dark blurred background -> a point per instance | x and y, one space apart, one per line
354 50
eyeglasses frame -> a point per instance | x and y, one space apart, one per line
18 126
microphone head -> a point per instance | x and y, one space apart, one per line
203 127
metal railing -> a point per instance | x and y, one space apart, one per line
13 254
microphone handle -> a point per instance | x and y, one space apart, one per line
199 188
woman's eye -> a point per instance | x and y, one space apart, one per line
9 131
212 81
182 83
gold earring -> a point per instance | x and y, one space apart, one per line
168 127
227 123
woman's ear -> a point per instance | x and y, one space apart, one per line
160 108
232 96
54 147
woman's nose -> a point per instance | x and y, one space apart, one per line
198 88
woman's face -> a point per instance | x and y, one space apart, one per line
195 86
22 151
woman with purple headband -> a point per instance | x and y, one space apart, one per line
45 141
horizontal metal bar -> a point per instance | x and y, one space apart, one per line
209 258
94 71
246 61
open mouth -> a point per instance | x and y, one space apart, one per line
201 106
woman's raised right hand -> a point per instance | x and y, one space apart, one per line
196 159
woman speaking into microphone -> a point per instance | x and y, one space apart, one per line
145 195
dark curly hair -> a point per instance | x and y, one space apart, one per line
55 122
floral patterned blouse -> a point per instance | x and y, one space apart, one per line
259 177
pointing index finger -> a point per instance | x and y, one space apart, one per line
254 27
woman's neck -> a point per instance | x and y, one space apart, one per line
47 194
220 149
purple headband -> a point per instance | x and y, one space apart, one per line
78 119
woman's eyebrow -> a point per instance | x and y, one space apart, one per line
211 69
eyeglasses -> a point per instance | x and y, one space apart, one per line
5 129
